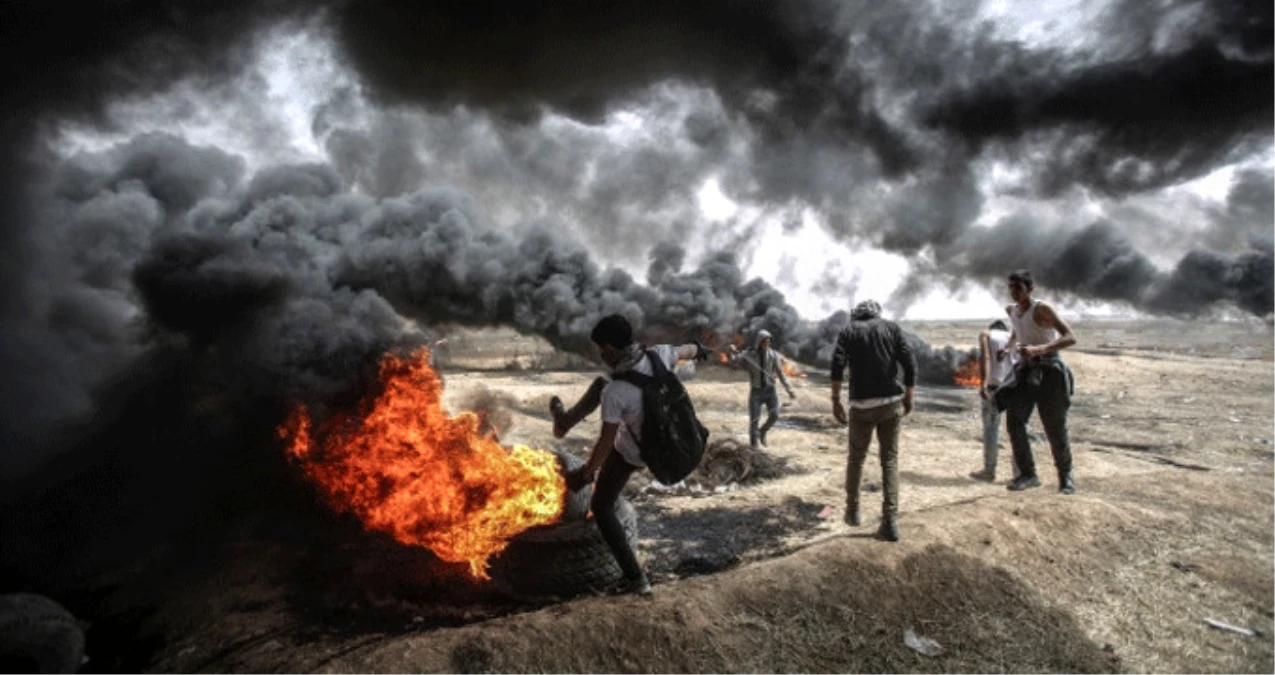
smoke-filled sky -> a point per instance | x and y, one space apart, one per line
309 183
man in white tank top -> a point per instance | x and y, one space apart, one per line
1041 380
996 364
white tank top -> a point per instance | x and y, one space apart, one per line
1025 327
999 369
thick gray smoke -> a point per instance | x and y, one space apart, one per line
882 117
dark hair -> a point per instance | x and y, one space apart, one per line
613 330
1023 277
997 325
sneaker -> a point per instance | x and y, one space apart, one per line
984 475
638 586
1023 483
889 530
557 411
1067 485
852 517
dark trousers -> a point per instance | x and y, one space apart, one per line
756 397
614 474
1053 399
884 420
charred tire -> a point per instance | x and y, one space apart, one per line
565 559
38 636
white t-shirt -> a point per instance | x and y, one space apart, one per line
1025 327
622 404
999 369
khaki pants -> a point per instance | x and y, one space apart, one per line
885 421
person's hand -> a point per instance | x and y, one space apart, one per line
578 479
1029 352
908 402
792 395
982 392
839 411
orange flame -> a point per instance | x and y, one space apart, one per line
791 370
969 374
407 468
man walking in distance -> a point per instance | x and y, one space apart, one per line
997 367
765 367
873 349
616 453
1041 379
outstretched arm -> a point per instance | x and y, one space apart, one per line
689 351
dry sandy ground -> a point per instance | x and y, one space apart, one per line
1172 438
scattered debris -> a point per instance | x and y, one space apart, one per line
1182 566
1246 632
727 465
920 644
826 512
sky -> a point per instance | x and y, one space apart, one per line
306 185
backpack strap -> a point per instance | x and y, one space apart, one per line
641 381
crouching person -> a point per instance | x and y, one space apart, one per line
617 452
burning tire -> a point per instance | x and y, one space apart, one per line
564 559
38 636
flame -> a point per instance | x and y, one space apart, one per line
407 468
723 356
969 374
791 370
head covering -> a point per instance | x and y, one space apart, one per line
762 335
868 309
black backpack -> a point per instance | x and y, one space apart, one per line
673 439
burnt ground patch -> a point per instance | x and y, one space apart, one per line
688 542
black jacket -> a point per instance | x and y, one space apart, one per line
873 350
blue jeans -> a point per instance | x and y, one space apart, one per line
991 434
756 397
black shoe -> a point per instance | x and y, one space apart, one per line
852 517
1067 485
983 475
638 586
1023 483
889 530
556 411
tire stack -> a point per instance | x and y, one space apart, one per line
566 559
37 635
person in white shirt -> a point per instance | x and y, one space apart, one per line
617 452
997 367
1041 380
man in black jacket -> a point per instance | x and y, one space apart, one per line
873 349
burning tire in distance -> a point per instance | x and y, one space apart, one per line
564 559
